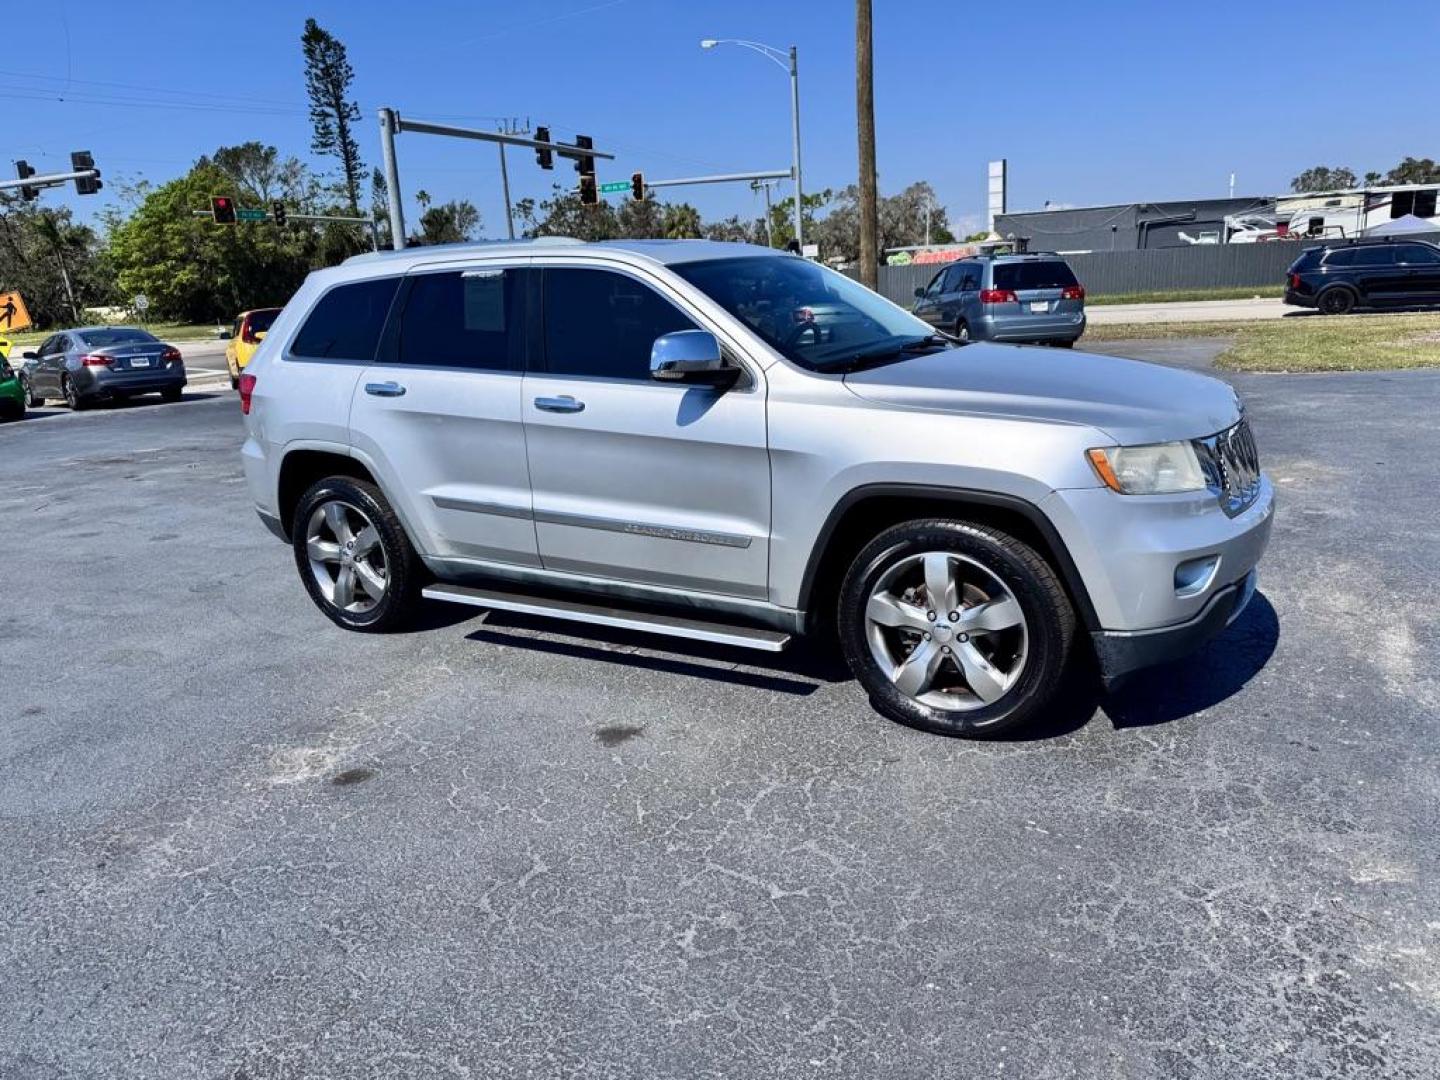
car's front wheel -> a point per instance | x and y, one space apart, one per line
955 628
354 557
32 399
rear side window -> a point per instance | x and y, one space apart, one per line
1033 275
261 321
1308 260
602 324
466 318
346 323
1374 256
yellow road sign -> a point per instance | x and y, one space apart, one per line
13 315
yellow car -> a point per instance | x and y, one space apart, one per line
245 337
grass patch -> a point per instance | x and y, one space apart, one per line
1304 343
1176 296
163 331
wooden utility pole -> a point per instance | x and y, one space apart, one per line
865 122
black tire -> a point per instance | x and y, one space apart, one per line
234 382
962 330
71 395
1068 344
172 393
13 410
403 570
1049 624
1336 301
32 399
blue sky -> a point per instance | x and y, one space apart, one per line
1091 102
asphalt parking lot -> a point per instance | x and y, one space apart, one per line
240 842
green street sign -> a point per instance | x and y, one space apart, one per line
250 215
619 185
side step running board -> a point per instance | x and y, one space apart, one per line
745 637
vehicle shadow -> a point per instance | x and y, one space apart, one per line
800 670
53 412
1216 672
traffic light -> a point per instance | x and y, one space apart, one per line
23 169
85 185
585 163
543 154
277 212
637 187
589 193
222 207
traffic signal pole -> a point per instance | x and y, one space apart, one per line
49 179
391 125
722 178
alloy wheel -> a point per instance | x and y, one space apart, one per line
346 556
946 631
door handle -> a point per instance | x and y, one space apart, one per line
563 404
384 389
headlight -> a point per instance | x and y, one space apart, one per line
1157 469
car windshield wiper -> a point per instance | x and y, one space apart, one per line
888 353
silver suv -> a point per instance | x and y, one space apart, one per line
1032 297
730 444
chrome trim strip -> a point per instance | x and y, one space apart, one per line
446 502
662 532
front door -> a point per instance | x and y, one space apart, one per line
635 479
1423 279
439 413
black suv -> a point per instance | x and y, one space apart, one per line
1349 274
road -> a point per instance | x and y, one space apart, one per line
1190 311
240 842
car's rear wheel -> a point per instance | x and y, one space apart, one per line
354 557
172 393
962 330
72 396
955 628
1066 344
1337 301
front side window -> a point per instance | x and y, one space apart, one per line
346 323
602 324
808 313
937 284
1418 254
464 318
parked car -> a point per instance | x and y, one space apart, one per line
246 333
1347 274
12 393
97 363
1032 297
629 434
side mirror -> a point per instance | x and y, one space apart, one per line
32 355
690 356
919 292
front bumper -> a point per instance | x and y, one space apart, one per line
1125 651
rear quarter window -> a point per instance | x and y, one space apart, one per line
1308 260
1052 274
347 321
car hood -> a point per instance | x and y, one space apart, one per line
1131 401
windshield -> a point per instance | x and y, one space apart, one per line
120 335
809 314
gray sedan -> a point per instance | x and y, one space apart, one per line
96 363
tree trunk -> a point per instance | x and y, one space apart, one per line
865 122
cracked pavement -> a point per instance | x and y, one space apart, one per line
239 842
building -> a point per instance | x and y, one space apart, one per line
1130 226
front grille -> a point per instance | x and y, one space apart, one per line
1232 466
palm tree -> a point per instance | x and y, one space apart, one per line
60 237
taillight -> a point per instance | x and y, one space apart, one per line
1294 281
998 296
247 387
171 355
96 361
1073 292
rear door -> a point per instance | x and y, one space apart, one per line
1378 276
1422 265
633 479
439 412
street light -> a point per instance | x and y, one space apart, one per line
787 61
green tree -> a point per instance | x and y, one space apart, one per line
681 221
1414 171
328 76
737 230
642 220
1323 178
563 214
782 216
448 223
196 271
40 248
